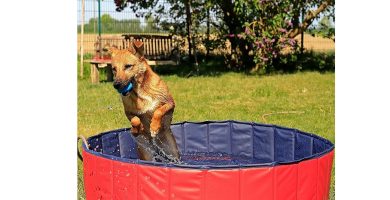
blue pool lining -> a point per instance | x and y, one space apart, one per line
328 146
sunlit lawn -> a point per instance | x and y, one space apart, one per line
228 96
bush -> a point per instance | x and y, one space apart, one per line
308 61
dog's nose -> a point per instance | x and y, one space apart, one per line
117 85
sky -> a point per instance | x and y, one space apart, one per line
107 7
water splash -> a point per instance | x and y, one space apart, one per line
158 154
168 157
157 149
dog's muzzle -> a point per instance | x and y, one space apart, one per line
123 90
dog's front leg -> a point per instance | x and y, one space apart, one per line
136 125
155 124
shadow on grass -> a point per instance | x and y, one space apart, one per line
308 61
213 66
291 63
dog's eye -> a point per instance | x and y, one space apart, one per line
128 66
114 69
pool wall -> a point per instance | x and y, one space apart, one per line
112 177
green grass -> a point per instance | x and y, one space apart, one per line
226 96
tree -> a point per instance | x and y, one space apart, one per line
150 26
257 30
325 28
266 27
111 25
179 10
131 26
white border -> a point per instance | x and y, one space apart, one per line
38 100
362 100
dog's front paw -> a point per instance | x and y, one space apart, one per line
154 128
134 131
136 126
135 121
153 133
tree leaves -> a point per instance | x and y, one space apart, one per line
258 30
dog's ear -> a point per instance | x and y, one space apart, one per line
108 50
138 48
112 50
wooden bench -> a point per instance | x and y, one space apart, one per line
158 50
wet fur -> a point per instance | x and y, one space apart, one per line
149 102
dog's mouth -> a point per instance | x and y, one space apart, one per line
127 88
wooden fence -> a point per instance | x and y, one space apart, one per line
90 41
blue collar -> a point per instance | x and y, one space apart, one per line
126 89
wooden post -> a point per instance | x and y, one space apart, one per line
110 75
147 48
165 48
82 40
159 48
169 46
94 73
154 47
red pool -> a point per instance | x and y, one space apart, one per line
220 160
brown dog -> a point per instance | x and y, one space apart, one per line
148 104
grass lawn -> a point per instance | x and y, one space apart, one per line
225 96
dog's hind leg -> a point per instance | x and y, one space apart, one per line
165 141
145 149
166 144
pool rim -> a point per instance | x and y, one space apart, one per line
235 166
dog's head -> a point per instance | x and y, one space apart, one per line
127 64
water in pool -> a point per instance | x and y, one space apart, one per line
188 158
200 158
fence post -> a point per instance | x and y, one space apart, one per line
100 31
94 17
82 41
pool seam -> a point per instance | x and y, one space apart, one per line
184 137
230 141
169 183
208 137
253 141
273 142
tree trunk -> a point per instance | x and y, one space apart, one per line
295 17
239 57
310 15
232 24
302 30
208 34
188 23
